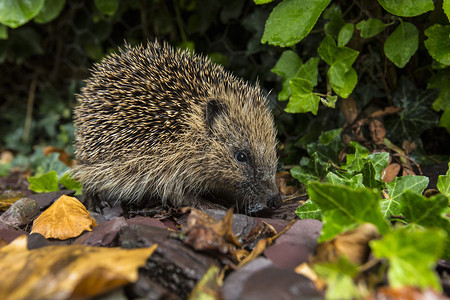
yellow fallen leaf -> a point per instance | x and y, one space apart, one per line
62 272
64 219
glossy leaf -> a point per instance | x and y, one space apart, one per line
407 8
14 13
108 7
401 45
291 20
397 187
443 183
309 210
438 43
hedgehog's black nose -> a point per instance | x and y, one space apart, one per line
274 201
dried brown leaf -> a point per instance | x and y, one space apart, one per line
63 272
390 172
66 218
349 109
377 131
353 244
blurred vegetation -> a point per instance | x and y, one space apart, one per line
48 46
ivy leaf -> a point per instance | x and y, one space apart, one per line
309 210
401 45
339 278
344 208
310 170
438 43
440 81
370 28
446 7
309 71
70 183
291 20
354 182
443 183
328 146
397 187
407 8
3 32
411 255
287 66
427 212
345 34
342 79
336 21
14 13
45 183
332 54
50 10
302 99
416 116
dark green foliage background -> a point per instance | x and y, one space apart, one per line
57 55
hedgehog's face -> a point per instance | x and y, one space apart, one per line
242 154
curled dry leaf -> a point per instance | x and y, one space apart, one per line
353 244
282 181
408 146
390 172
390 110
377 131
203 232
63 272
66 218
63 155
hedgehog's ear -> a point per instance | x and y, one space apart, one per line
214 108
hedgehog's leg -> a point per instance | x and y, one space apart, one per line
91 201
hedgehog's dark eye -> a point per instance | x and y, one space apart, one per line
241 157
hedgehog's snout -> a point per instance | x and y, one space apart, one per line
274 200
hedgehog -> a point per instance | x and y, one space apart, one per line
159 124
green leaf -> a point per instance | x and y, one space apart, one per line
401 45
446 7
70 183
287 67
370 28
407 8
438 43
108 7
354 182
332 54
397 187
328 146
309 71
14 13
50 10
411 255
427 212
336 21
416 116
440 81
259 2
345 34
443 183
309 210
45 183
342 79
3 32
344 208
302 99
355 162
292 20
445 120
339 278
310 170
329 101
380 161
